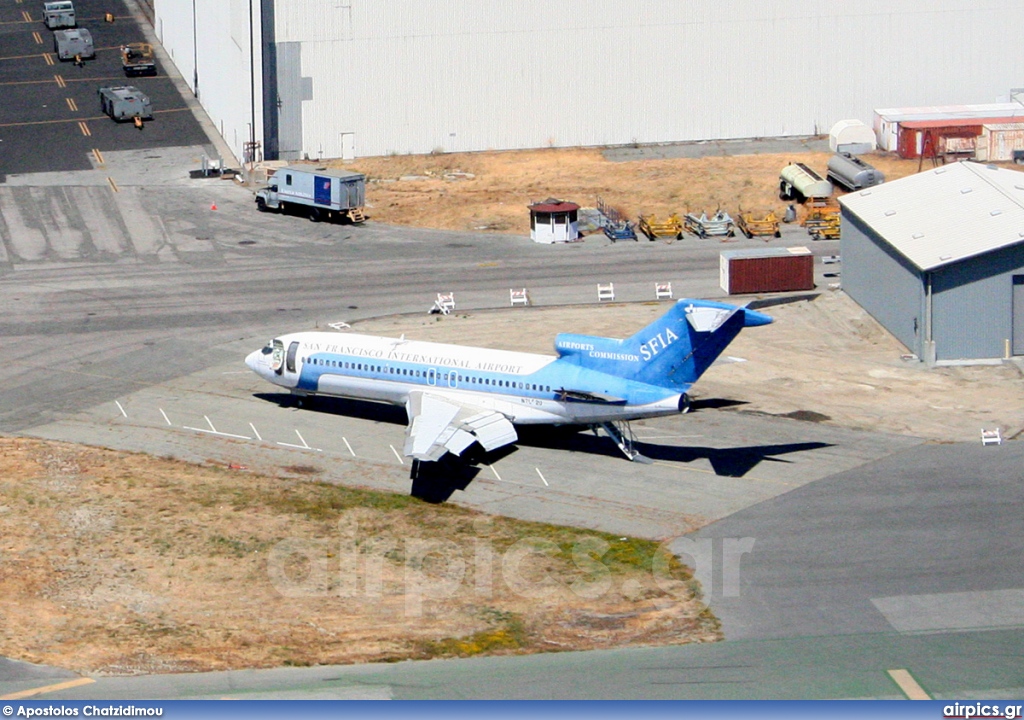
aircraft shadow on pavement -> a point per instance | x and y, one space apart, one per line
436 481
726 462
361 409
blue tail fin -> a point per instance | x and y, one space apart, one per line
672 352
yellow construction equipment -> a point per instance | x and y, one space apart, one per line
822 221
752 226
671 227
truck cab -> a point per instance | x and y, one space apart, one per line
267 198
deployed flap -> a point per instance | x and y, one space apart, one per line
439 425
492 429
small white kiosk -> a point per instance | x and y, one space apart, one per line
554 221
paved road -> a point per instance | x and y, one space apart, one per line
923 540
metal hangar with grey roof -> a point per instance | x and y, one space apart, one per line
938 259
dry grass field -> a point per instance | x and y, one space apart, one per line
494 199
121 563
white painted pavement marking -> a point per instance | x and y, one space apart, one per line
349 446
396 454
213 430
303 446
256 432
542 477
166 419
495 472
120 408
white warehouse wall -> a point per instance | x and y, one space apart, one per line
217 65
401 76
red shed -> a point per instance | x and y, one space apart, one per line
758 270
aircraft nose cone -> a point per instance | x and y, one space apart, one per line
254 361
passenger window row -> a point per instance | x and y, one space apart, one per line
511 384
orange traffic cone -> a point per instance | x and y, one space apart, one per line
213 206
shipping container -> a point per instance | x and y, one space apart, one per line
760 270
998 142
934 138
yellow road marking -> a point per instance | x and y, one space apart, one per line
37 37
98 155
24 14
47 689
95 117
72 105
84 128
40 82
48 58
60 81
908 685
113 185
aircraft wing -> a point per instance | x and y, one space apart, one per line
438 425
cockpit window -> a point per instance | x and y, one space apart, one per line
277 359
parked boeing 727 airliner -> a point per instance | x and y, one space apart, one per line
456 395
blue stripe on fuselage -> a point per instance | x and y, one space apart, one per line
555 376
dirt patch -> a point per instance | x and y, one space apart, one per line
120 563
489 191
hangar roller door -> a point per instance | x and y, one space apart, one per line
1018 314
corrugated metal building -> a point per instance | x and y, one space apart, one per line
373 77
938 259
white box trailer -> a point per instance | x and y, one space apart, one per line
318 193
125 102
73 44
59 14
